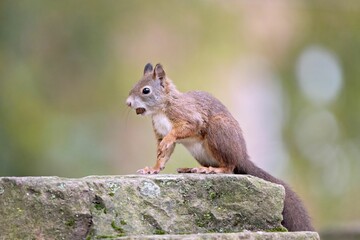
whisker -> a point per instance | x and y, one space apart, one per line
127 117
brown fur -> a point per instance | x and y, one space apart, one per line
207 129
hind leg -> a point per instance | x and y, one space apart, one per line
223 148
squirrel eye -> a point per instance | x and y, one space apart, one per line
146 90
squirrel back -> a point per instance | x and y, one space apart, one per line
207 129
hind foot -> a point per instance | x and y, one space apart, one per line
205 170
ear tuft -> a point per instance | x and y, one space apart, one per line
148 68
159 72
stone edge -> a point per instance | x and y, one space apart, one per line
230 236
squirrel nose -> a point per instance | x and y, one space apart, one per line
128 102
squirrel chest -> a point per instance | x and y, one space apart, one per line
162 124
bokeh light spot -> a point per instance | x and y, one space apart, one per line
319 74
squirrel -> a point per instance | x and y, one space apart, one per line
208 131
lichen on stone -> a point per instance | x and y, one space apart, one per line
114 206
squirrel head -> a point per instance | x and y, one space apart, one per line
149 95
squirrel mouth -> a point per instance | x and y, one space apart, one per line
140 110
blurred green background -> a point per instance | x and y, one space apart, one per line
288 71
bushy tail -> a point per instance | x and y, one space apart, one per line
295 216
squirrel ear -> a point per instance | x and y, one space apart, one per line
148 68
159 72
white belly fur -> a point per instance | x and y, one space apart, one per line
197 149
162 124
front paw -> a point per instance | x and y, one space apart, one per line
148 170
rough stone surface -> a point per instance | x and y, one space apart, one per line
114 206
232 236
